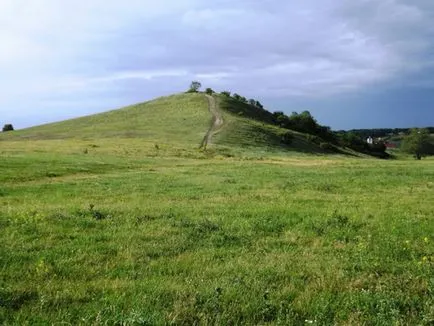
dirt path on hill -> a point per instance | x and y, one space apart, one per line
217 121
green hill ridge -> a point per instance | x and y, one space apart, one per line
179 120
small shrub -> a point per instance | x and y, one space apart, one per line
209 91
252 102
237 97
8 127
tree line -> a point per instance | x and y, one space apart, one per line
383 132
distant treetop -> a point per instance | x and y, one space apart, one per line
209 91
8 127
194 87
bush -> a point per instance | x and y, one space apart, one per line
209 91
237 97
8 127
226 93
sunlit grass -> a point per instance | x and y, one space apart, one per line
125 233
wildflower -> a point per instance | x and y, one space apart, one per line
425 240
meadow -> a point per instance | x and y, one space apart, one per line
128 231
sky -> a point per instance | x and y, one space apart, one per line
352 64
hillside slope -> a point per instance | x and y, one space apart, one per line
182 121
182 118
249 127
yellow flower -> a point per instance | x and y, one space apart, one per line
425 240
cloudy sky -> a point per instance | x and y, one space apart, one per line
353 64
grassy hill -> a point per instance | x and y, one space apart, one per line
179 121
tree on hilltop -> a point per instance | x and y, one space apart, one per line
259 105
226 93
236 97
194 87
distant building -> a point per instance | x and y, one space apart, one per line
391 145
370 140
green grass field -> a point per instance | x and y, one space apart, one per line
106 228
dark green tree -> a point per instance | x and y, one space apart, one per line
252 102
281 119
8 127
194 87
226 93
416 143
303 122
209 91
236 97
259 105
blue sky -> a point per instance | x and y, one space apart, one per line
353 64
